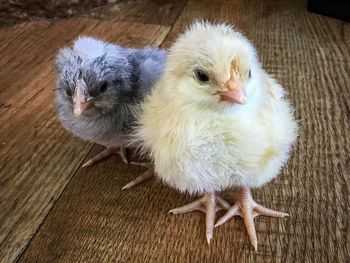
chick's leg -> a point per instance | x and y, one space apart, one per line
248 209
143 177
106 153
209 204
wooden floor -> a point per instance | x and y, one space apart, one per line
52 210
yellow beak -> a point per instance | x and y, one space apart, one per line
234 90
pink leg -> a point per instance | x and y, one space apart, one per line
143 177
143 164
123 154
209 204
106 153
248 209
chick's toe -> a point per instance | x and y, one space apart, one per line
143 177
248 209
106 153
209 204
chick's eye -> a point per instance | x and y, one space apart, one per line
103 87
249 74
69 92
201 76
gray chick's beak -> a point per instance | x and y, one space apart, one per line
80 102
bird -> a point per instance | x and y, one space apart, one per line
216 121
98 86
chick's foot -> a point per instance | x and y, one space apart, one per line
143 177
209 204
106 153
248 209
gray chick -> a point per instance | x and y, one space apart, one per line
99 86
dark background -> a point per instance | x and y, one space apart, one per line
14 11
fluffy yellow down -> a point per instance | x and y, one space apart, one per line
200 144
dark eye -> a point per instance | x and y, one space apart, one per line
103 87
69 92
249 74
201 76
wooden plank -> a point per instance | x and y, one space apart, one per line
162 12
38 158
94 221
108 226
221 11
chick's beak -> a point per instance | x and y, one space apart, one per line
80 102
234 91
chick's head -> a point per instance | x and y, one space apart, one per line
93 77
213 64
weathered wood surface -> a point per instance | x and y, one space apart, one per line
94 221
38 158
162 12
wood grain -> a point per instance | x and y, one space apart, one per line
38 158
162 12
94 221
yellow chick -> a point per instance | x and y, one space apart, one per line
215 121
